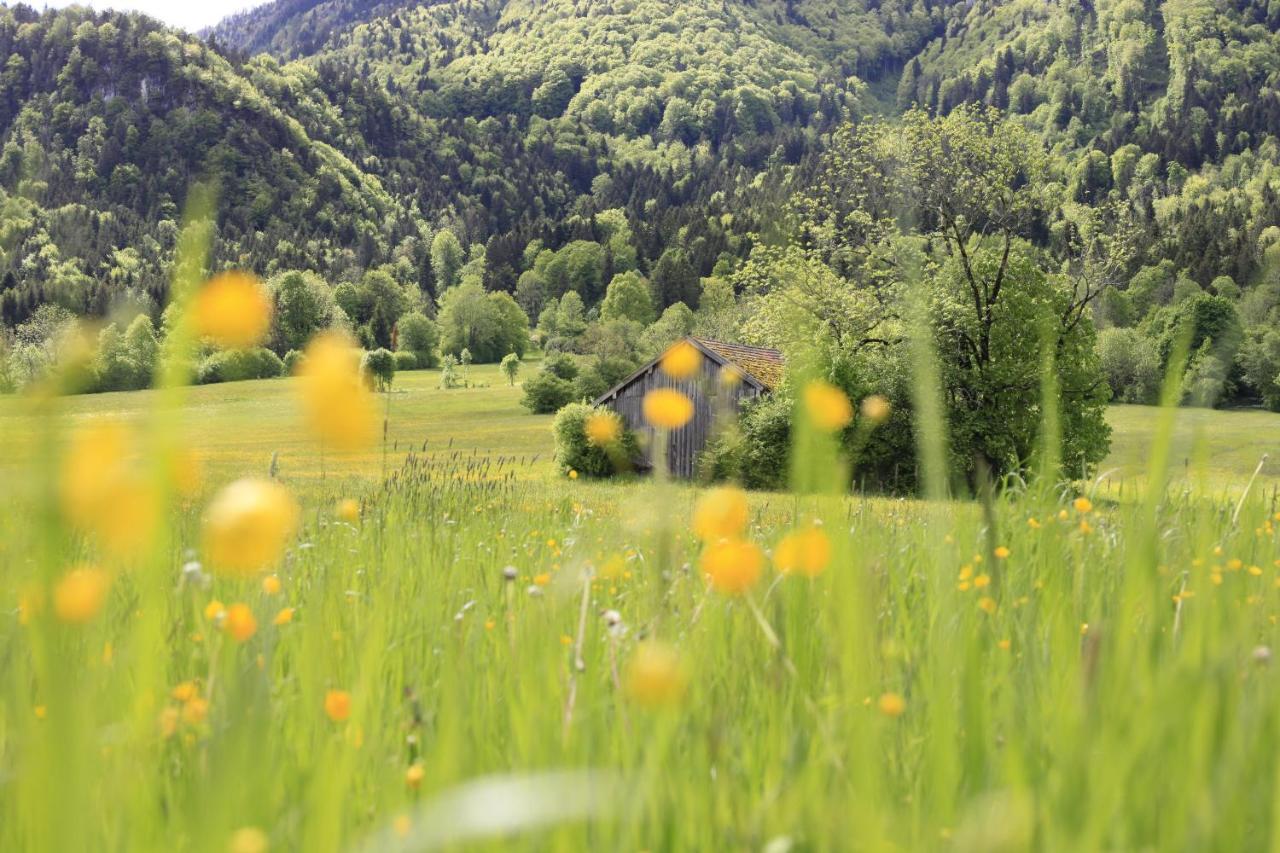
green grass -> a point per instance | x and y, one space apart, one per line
1104 685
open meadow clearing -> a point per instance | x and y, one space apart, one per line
457 655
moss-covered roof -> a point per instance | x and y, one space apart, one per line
764 365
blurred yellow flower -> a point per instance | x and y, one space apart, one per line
337 705
250 839
168 721
233 310
240 623
104 492
248 525
892 705
827 405
681 361
271 584
414 775
655 675
542 579
349 510
284 617
876 409
732 566
573 475
720 513
1002 553
806 552
215 610
194 711
338 405
1083 505
41 712
602 429
667 408
987 605
80 594
185 692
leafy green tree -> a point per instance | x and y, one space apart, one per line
381 365
490 325
628 298
143 347
675 323
545 393
510 367
304 304
1131 363
446 260
418 334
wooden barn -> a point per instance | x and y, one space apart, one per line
730 374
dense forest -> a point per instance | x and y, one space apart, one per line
448 158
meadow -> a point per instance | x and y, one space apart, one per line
459 648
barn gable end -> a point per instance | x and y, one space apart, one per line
729 375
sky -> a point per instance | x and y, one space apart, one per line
190 15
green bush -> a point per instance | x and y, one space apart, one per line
418 334
239 365
561 365
406 361
575 453
381 365
545 393
292 361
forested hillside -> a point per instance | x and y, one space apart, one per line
348 136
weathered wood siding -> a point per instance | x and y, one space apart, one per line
712 402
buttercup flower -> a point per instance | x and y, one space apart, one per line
876 409
80 594
338 405
827 405
103 491
233 310
337 705
240 623
655 675
248 525
892 705
602 428
806 551
681 361
349 510
720 514
667 408
732 566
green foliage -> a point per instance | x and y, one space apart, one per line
561 365
490 325
574 452
304 304
380 364
405 361
510 367
446 260
545 393
238 366
628 298
1131 363
419 335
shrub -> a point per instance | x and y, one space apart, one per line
561 365
545 393
575 453
590 384
449 375
381 365
239 365
292 361
406 361
510 367
418 334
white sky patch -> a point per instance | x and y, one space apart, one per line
191 15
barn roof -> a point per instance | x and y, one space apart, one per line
760 366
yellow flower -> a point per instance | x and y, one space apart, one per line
602 429
876 409
542 579
41 712
1005 645
194 711
667 408
720 514
80 594
248 525
1033 523
338 405
732 566
104 493
271 585
1083 505
414 775
987 605
337 705
284 617
573 475
233 310
828 407
185 692
892 705
402 825
1002 553
806 552
240 623
655 675
250 839
349 510
168 722
981 581
215 610
681 361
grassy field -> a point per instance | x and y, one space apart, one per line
237 428
453 659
